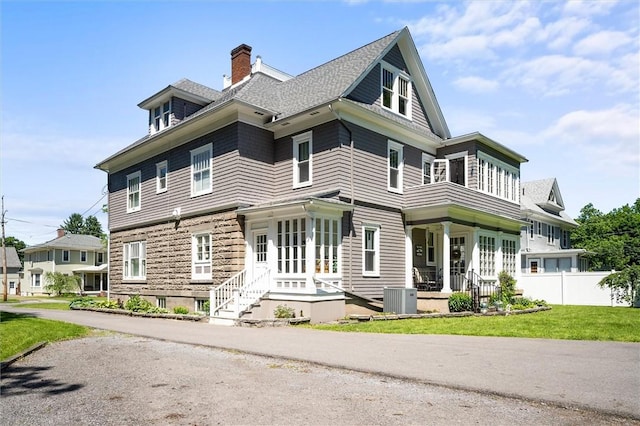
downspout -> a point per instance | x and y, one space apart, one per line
352 202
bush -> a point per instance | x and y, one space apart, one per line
460 302
284 311
180 310
59 283
82 302
507 287
138 304
107 304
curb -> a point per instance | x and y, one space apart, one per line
7 362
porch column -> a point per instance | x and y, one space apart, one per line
408 257
475 251
446 258
499 265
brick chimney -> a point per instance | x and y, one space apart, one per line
61 233
240 63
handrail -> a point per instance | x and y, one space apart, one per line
222 294
328 284
253 291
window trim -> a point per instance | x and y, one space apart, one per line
159 166
298 140
376 249
491 177
195 152
68 253
427 159
392 145
397 75
83 253
130 177
201 263
126 260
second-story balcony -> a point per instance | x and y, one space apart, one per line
448 200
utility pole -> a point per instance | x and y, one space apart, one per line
4 257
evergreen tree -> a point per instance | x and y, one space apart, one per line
92 227
74 224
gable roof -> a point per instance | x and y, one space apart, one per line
536 197
69 242
326 83
13 261
185 89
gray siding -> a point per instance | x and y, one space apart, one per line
255 171
182 108
392 251
369 89
395 58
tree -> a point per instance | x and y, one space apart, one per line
18 244
92 227
614 238
625 285
59 283
74 224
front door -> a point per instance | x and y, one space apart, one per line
12 287
457 262
259 252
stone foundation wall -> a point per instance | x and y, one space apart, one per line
168 260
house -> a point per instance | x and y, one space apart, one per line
77 254
14 266
308 190
546 238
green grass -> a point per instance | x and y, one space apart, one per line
20 331
44 305
561 322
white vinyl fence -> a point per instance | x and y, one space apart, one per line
568 288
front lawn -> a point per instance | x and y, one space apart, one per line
561 322
21 331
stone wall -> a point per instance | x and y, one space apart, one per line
168 259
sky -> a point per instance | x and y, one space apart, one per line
556 81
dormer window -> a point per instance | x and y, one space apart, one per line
396 90
160 117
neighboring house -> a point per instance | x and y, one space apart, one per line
70 254
13 270
546 239
300 190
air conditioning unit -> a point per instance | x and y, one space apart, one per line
400 300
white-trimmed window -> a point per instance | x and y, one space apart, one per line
539 228
160 117
37 282
133 192
371 250
201 257
498 178
83 256
395 164
302 159
161 176
135 260
292 248
327 239
201 170
531 229
66 255
487 247
431 248
427 164
161 302
99 258
396 90
440 171
509 256
551 234
566 239
200 306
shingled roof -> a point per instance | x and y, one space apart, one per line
13 261
70 242
535 197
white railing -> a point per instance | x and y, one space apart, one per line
333 286
219 297
251 292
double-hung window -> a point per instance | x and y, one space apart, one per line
66 254
161 177
160 117
166 114
291 246
133 192
201 170
201 257
394 167
135 260
371 250
509 256
327 238
396 90
83 256
427 161
302 160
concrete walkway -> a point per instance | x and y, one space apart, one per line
601 376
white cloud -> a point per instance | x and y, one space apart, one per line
601 43
561 33
589 7
466 46
475 84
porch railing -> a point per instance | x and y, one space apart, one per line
237 294
479 289
221 296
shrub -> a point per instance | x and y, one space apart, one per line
59 283
507 287
180 310
138 304
284 311
107 304
460 302
82 302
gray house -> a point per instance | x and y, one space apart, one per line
14 266
546 238
308 190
